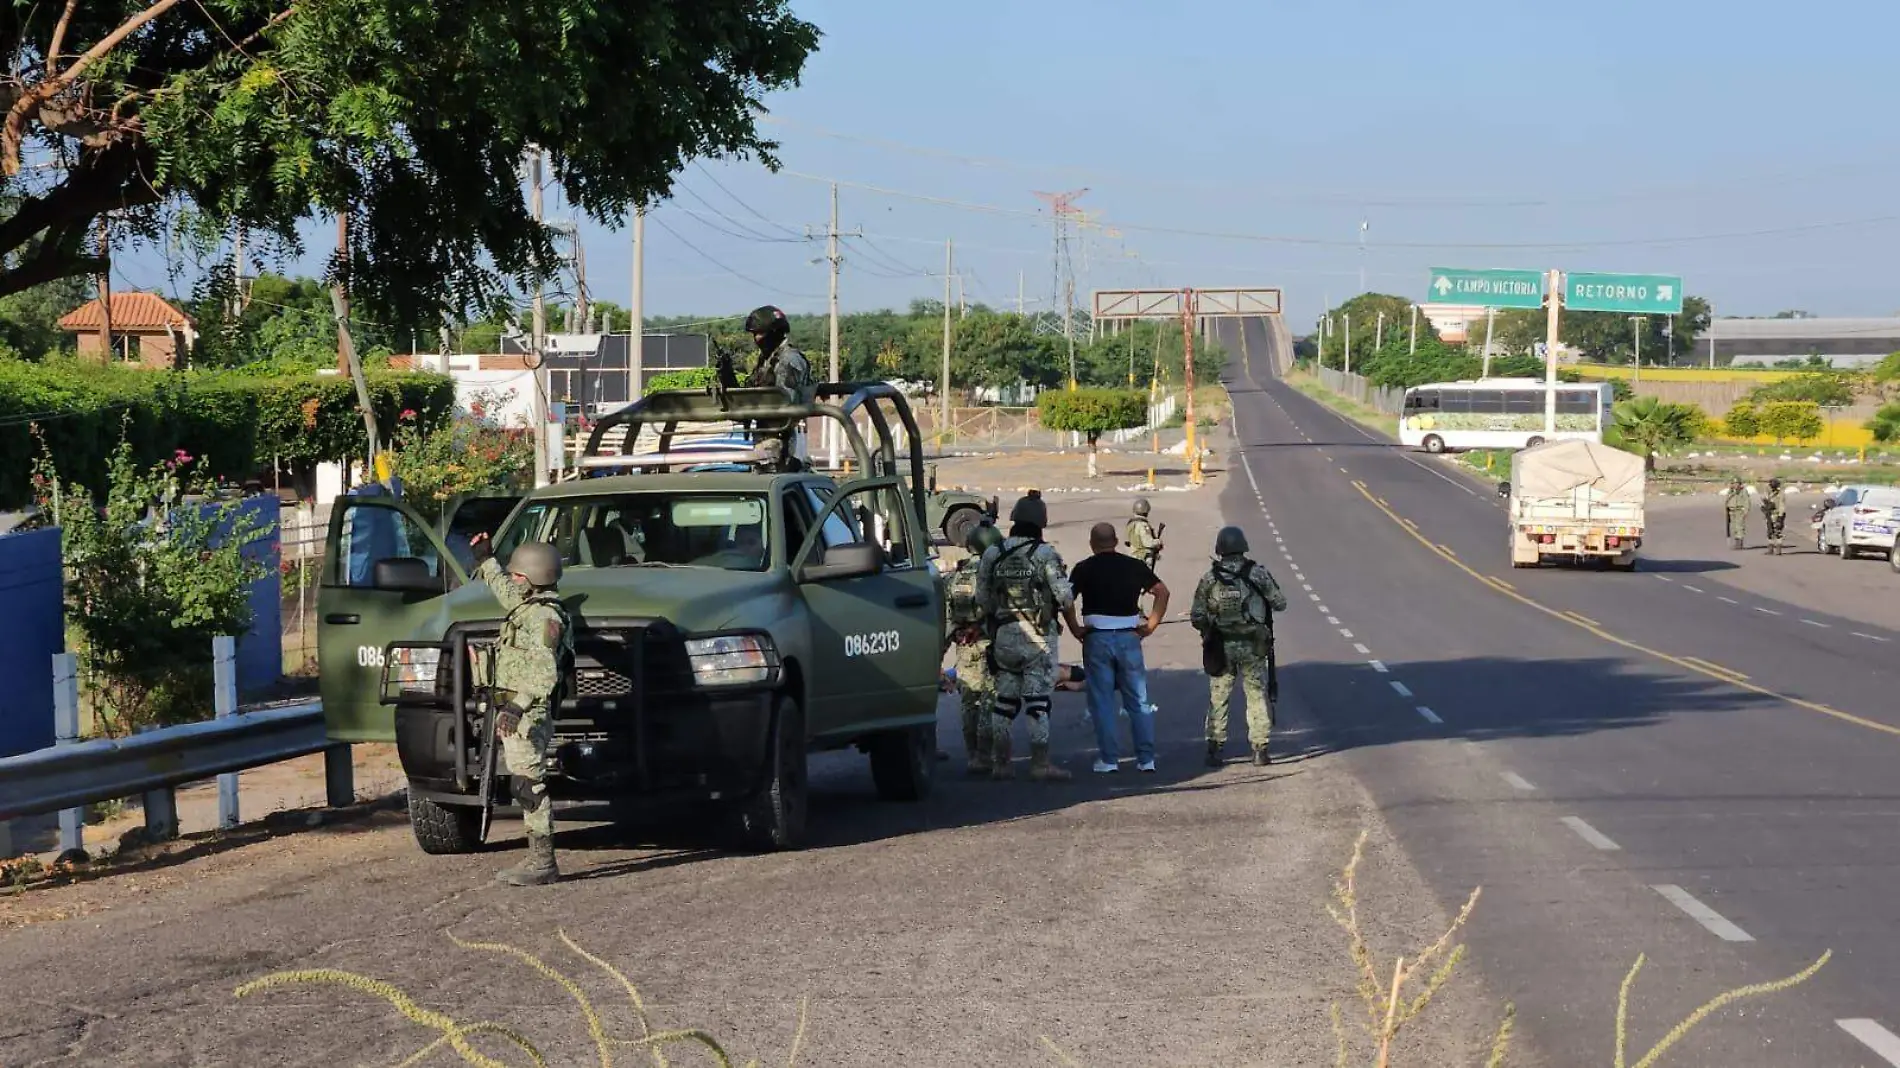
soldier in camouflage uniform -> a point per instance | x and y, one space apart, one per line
1233 610
1022 588
965 632
526 667
1144 542
1735 502
780 365
1774 508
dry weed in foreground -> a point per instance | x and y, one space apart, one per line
457 1036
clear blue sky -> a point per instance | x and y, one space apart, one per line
1571 132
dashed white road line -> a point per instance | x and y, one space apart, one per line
1727 600
1664 578
1692 589
1379 666
1516 781
1400 688
1590 834
1884 1043
1314 596
1816 623
1430 716
1766 611
1703 914
1360 649
1869 637
1325 611
1307 586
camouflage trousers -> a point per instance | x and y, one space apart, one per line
1247 660
1775 525
1738 524
1025 679
976 695
525 754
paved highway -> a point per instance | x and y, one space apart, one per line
1672 762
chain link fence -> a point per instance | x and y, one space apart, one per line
1386 399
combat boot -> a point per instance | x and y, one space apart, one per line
1213 754
1260 755
978 753
537 869
1000 757
1040 769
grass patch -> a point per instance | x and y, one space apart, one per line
1351 409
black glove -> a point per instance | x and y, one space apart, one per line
508 720
482 547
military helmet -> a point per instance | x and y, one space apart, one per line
764 320
1736 481
538 562
1141 506
1031 510
1774 483
981 537
1230 541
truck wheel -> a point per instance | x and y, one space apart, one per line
1893 557
1535 441
904 763
773 819
958 524
443 830
1433 443
1618 566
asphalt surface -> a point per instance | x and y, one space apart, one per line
1718 725
1134 920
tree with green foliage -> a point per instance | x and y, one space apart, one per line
1792 420
29 319
1829 389
411 119
1602 337
1885 425
1092 413
1646 426
1365 311
1742 421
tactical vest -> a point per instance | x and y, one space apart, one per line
1138 533
564 656
1234 604
1017 588
962 595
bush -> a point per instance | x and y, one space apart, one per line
1797 420
1092 412
151 581
1742 421
693 378
1834 389
1885 425
234 425
461 456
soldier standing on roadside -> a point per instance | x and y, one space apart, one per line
965 632
1775 509
1022 588
1736 502
1144 541
1233 610
528 664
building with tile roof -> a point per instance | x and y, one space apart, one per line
147 330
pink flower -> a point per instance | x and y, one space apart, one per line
408 413
180 456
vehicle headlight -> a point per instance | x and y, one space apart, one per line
732 659
411 669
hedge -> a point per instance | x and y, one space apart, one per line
237 425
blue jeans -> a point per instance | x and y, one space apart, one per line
1113 661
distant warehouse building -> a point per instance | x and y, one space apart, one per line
1843 342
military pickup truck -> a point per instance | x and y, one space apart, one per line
728 623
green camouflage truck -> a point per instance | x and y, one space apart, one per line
728 623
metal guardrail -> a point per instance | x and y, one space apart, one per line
69 776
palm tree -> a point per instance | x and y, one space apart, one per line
1645 426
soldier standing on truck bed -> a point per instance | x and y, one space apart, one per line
1775 508
527 665
1735 501
1144 541
1233 610
1022 588
964 631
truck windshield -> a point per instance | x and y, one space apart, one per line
649 530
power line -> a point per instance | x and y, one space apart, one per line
702 254
748 233
722 188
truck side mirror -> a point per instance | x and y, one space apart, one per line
405 573
844 561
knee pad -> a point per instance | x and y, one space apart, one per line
530 794
1036 707
1007 707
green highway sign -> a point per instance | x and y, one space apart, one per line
1492 289
1642 294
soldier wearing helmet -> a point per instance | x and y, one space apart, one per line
964 631
1233 610
779 363
1774 508
526 669
1735 503
1144 541
1023 589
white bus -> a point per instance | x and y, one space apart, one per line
1500 413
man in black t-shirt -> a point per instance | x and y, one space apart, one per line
1108 590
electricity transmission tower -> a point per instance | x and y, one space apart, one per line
1062 208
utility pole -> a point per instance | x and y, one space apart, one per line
1490 327
1636 335
1378 335
1190 306
1019 294
1362 257
1556 290
346 345
1414 349
833 433
104 284
636 311
943 384
537 343
1348 342
237 273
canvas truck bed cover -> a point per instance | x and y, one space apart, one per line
1558 469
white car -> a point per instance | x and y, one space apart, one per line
1864 519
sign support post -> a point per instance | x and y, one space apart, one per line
1556 295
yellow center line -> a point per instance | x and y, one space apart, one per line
1588 622
1687 663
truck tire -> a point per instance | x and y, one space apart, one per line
445 830
1433 444
1535 441
1893 557
904 763
773 819
1618 566
958 524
